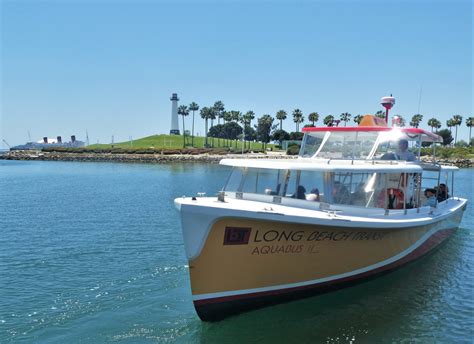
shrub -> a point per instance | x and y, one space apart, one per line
293 150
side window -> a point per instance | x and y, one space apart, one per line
250 181
234 180
269 181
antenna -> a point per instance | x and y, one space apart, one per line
29 136
419 99
87 138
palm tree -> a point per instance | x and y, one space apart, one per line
469 124
235 116
434 123
281 116
183 111
380 114
345 117
219 110
401 121
207 114
298 118
247 118
450 124
457 120
313 117
227 118
416 120
358 118
328 120
193 107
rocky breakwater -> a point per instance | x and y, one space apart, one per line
197 156
459 162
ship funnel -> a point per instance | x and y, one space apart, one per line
45 139
59 139
73 138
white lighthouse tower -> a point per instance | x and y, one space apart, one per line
174 114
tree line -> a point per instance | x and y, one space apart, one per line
238 125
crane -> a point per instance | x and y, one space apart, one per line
6 143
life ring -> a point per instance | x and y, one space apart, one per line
396 198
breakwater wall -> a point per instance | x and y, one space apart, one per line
167 158
130 157
459 162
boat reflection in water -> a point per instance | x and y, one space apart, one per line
346 210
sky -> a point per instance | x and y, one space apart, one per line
109 67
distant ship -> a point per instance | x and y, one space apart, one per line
50 142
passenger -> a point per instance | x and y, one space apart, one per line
430 195
403 153
313 195
269 191
340 194
388 156
443 194
300 193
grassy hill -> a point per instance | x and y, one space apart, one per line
176 142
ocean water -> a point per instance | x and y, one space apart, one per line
93 253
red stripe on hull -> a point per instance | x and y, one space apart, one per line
220 307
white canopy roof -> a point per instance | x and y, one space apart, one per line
330 165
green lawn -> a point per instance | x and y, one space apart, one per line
176 142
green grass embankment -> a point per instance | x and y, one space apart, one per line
450 152
170 144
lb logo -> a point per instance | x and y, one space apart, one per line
236 236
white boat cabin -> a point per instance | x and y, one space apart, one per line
339 167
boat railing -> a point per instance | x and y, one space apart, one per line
330 161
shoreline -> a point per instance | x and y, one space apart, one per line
152 158
157 158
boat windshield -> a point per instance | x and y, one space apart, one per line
338 145
385 145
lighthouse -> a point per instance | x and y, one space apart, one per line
174 114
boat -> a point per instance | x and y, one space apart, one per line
348 209
49 143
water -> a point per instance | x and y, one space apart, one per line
93 253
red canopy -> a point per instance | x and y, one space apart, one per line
428 135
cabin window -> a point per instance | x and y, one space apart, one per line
305 185
253 180
269 181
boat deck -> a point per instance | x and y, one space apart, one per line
316 212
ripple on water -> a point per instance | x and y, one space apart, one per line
105 262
